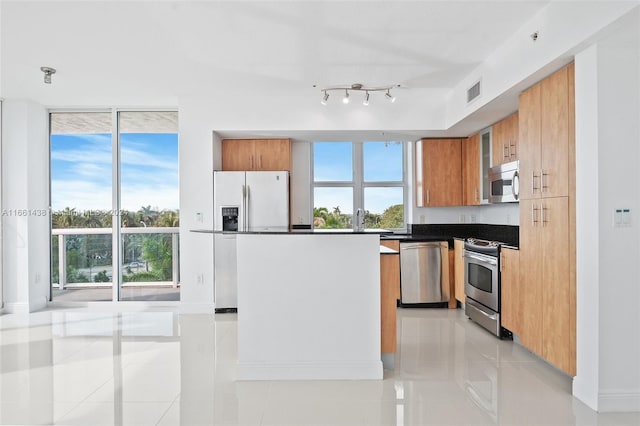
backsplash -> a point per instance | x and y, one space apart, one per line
508 234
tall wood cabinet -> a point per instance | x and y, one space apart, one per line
256 154
471 190
439 172
547 220
504 140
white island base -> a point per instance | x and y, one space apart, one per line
308 307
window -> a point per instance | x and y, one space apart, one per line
352 175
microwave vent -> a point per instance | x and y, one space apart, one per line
473 92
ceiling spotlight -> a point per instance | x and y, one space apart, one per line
48 71
392 99
366 99
345 100
325 98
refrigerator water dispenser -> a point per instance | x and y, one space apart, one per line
229 218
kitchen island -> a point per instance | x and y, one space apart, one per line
308 306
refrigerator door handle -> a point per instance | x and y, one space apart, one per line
247 210
244 208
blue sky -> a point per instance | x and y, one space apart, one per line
81 171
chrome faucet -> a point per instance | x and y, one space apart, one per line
359 220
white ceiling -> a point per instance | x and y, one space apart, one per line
152 52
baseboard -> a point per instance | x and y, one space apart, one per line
365 370
16 308
196 308
619 401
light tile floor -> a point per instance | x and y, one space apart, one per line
82 367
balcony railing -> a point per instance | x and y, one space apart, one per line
64 233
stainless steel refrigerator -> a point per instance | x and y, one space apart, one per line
244 201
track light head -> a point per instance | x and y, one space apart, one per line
325 98
345 100
391 98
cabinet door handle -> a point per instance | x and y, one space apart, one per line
428 199
505 151
514 150
260 161
533 182
534 219
542 214
543 187
477 194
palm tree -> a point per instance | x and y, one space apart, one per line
168 219
147 214
67 218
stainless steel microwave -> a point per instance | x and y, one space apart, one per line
504 183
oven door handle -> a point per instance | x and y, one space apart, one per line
487 259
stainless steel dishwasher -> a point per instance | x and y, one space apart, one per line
422 273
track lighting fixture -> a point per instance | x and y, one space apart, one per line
48 71
358 88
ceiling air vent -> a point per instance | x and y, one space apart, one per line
473 92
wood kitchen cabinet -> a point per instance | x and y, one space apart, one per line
545 284
389 295
544 123
458 265
256 154
547 220
510 303
471 191
394 245
439 172
504 140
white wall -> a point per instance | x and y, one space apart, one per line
608 153
196 196
493 214
301 210
25 193
619 184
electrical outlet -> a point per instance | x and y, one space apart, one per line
199 217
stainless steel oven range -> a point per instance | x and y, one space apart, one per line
482 284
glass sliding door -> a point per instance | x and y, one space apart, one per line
81 206
149 198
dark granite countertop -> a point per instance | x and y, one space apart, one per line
507 234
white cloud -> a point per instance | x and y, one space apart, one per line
137 157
